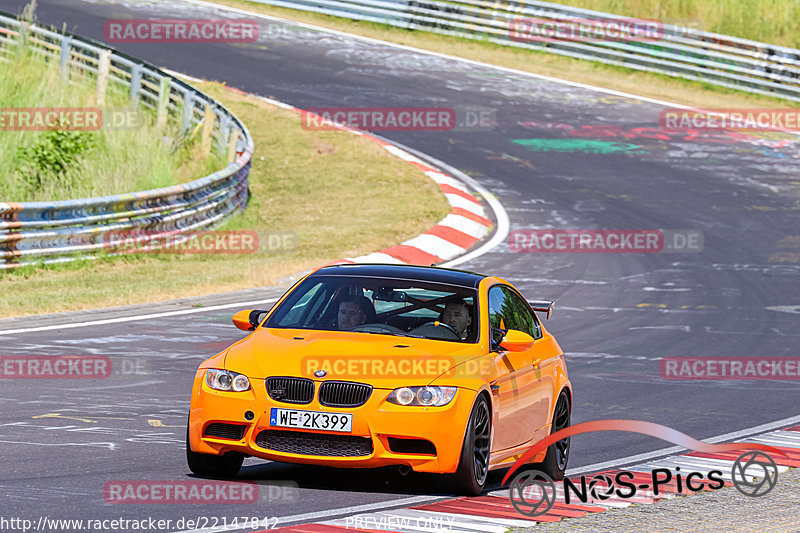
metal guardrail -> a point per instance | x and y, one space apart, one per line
678 51
51 232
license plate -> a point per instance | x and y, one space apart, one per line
293 418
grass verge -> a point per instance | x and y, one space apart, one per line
645 84
341 195
60 165
769 22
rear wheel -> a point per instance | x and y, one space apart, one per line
555 462
473 467
207 465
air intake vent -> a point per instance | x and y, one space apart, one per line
411 446
224 431
323 444
344 394
290 390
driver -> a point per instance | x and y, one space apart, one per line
353 312
456 314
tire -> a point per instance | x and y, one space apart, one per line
214 466
555 462
473 466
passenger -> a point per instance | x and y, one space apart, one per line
354 311
456 314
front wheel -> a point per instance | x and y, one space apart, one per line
215 466
555 462
473 467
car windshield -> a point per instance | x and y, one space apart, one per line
380 306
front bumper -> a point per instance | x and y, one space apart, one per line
371 443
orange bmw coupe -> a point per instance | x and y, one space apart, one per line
427 368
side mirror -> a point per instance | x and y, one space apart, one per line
248 320
516 341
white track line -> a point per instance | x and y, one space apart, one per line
502 220
285 520
460 59
135 318
501 216
670 451
404 521
438 54
387 506
425 242
500 235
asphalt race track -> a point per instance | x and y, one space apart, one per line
557 156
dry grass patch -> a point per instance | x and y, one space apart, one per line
341 194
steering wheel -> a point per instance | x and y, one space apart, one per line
438 323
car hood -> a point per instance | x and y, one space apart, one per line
383 361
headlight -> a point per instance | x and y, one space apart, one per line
425 396
228 381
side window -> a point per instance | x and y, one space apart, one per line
508 310
518 314
497 298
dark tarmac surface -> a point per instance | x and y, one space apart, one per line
559 157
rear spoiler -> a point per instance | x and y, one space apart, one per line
544 306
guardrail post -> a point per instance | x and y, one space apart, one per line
208 127
163 102
71 222
224 132
233 143
102 75
24 26
188 110
66 52
136 85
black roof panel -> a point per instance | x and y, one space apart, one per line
410 272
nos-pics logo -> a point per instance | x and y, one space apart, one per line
534 493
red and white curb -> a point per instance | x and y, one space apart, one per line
493 513
462 228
